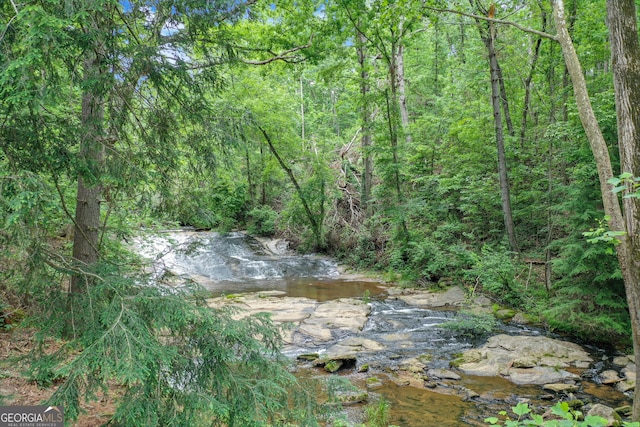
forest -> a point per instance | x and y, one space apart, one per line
492 145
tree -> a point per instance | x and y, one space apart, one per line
622 220
106 97
498 101
625 54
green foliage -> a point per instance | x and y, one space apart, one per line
495 270
472 324
219 206
378 415
603 234
179 361
566 418
261 221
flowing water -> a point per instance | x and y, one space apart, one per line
234 263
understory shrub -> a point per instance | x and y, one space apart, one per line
472 324
261 221
495 270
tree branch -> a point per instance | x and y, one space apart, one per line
285 56
497 21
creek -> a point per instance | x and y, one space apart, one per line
234 263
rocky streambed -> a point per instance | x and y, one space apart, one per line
391 342
396 346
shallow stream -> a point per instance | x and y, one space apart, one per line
235 263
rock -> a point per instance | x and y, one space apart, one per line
454 296
363 368
625 386
521 319
343 315
469 394
272 293
333 365
397 337
505 313
336 362
629 372
544 358
482 301
524 362
609 377
401 381
443 374
599 410
561 388
413 365
311 320
539 375
350 398
308 356
623 360
362 343
374 383
629 382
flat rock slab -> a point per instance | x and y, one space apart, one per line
454 296
503 355
311 320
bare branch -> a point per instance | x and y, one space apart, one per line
497 21
285 56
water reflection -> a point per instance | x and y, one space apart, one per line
321 290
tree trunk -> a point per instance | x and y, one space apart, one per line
392 121
625 55
402 90
527 82
503 96
313 221
496 101
588 119
625 51
86 251
365 117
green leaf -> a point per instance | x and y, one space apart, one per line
594 421
521 409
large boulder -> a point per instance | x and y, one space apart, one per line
525 360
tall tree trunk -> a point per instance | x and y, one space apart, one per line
316 223
365 118
401 83
402 92
488 37
302 125
392 121
503 96
588 119
527 82
625 55
86 251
